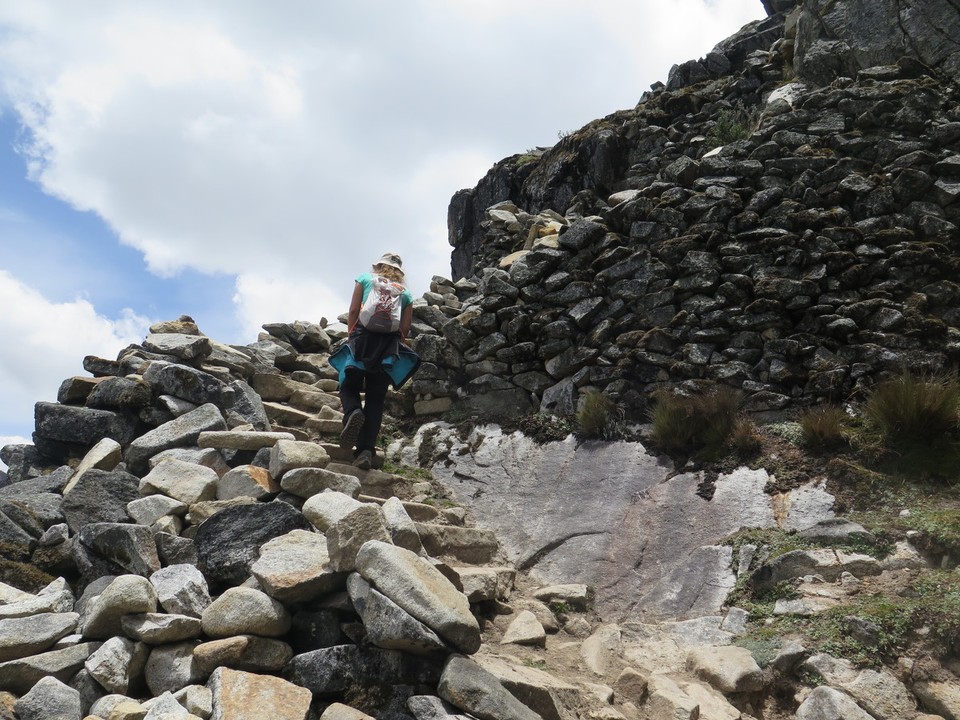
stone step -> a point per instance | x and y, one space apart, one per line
482 584
285 414
476 546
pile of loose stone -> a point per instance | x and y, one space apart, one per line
213 559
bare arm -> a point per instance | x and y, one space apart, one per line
355 302
406 318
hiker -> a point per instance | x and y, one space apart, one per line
375 354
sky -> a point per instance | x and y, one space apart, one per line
242 162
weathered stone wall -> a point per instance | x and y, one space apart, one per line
814 252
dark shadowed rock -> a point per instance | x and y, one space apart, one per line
81 426
229 542
23 461
187 383
119 393
336 669
132 547
842 38
180 431
100 496
248 405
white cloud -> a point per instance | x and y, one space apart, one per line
44 343
232 136
260 299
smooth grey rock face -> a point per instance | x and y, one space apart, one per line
603 514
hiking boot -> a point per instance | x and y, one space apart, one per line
364 460
351 429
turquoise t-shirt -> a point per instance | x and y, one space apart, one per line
366 282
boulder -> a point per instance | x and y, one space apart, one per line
421 590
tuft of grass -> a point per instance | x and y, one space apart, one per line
744 439
407 471
824 427
598 417
907 411
702 425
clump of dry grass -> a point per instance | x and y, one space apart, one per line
599 417
824 427
707 424
907 411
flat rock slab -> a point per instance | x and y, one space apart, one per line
237 440
605 514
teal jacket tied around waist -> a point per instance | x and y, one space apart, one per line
397 360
